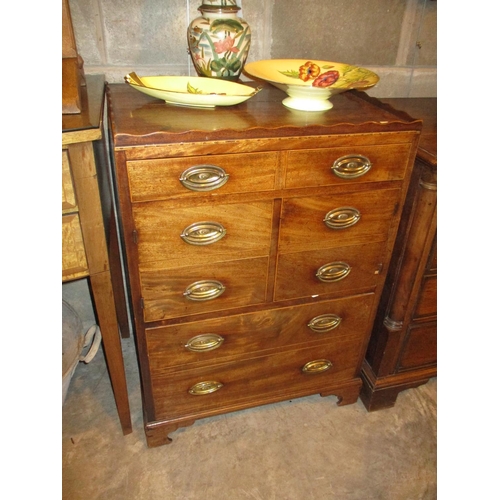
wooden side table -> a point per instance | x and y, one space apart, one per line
89 239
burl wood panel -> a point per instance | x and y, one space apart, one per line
74 259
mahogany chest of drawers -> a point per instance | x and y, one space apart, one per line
257 242
402 352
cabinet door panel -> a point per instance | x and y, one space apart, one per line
427 301
420 348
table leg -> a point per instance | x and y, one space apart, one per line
102 293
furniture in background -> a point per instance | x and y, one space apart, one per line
257 242
402 351
88 231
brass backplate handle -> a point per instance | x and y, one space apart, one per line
317 366
203 233
342 217
204 342
206 387
203 177
204 290
324 323
333 271
351 166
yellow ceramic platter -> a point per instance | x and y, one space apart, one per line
192 91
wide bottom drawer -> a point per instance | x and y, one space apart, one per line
305 371
222 339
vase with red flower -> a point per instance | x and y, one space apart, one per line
219 40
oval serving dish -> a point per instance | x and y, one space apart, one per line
192 91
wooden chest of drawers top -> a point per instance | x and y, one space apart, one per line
140 120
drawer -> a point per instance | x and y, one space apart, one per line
337 220
420 347
427 300
204 232
344 269
212 341
209 286
74 260
314 167
237 173
432 262
278 376
68 193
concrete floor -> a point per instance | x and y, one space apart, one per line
305 448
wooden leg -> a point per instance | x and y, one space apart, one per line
157 432
102 292
117 278
385 397
347 394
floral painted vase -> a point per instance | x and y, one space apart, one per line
219 40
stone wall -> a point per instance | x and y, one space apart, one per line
395 38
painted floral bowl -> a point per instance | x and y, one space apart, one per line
310 83
192 91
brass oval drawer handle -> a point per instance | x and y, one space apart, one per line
317 366
324 323
203 177
334 271
207 387
342 217
203 233
204 342
351 166
204 290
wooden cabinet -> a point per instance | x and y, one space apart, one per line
402 351
257 240
89 241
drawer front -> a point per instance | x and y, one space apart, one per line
68 193
314 167
432 262
74 259
337 220
420 348
238 173
202 287
279 376
216 340
202 233
342 269
427 300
